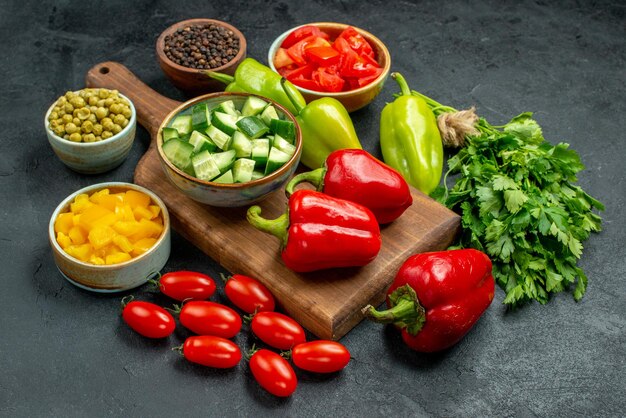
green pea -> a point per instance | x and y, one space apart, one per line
67 118
106 134
77 121
53 115
76 137
70 128
108 102
119 119
127 112
92 118
62 100
125 123
83 113
98 138
97 129
100 103
103 93
77 102
59 130
69 95
117 129
66 136
89 138
69 108
87 127
115 108
93 100
102 112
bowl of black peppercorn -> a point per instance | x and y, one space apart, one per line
189 49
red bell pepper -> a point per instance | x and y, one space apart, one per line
320 231
355 175
437 297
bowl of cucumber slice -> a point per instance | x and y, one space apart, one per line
229 149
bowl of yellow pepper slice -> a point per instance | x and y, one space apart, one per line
110 237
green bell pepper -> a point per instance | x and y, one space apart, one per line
253 77
325 126
410 140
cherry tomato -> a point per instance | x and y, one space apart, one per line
210 318
182 285
277 330
320 356
249 294
273 373
148 319
212 351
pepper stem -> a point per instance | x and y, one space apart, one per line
277 227
291 96
405 311
224 78
404 86
315 177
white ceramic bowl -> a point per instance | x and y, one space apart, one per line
114 277
94 157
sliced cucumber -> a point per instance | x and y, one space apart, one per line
200 117
242 170
283 145
169 133
252 126
225 122
253 106
276 159
224 160
242 145
227 177
284 128
227 107
221 139
201 143
178 153
182 124
256 174
260 151
269 114
205 167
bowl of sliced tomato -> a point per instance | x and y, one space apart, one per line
327 59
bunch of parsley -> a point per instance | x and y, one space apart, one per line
518 202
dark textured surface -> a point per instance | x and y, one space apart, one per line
65 352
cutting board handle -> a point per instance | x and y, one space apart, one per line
151 107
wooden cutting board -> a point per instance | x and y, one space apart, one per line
328 303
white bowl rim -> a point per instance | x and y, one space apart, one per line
94 188
275 45
131 123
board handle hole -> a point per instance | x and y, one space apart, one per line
104 70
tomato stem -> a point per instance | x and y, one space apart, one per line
126 300
225 278
179 349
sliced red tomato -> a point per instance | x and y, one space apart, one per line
322 55
328 81
298 72
282 59
305 83
297 51
364 81
356 41
301 33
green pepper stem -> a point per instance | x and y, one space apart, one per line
224 78
315 177
277 227
404 312
404 86
291 96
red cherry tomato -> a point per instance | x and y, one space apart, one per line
320 356
277 330
210 318
249 294
148 319
182 285
212 351
273 373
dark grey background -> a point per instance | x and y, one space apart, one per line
65 352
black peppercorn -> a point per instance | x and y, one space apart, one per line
201 46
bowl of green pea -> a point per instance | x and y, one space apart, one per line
91 130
